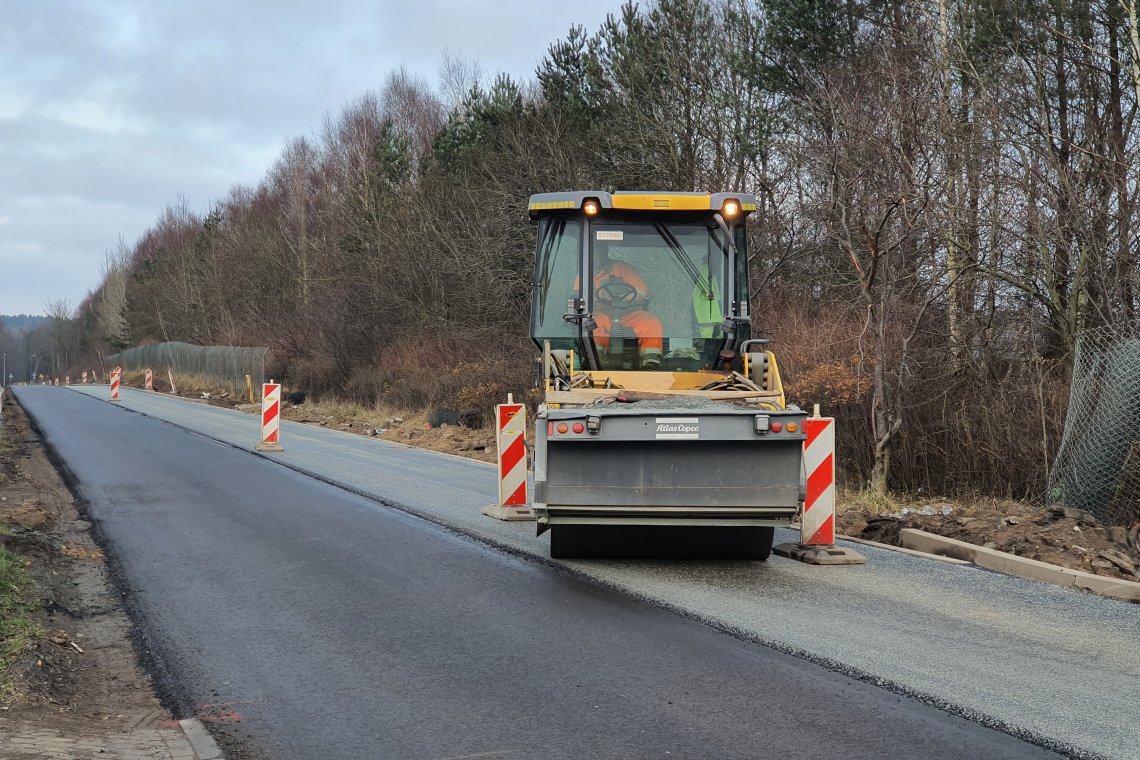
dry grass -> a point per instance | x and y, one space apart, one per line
873 504
340 411
867 501
191 386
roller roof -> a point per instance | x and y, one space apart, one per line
640 201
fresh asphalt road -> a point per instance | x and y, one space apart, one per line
340 628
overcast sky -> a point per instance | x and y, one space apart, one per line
110 109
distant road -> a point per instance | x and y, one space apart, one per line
254 575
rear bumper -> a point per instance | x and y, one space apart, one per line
554 514
653 469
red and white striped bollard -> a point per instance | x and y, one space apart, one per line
115 385
149 380
817 521
510 435
270 417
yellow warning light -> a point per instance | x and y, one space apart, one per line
793 427
591 207
731 208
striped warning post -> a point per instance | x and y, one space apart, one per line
67 379
270 417
149 380
511 421
85 377
510 435
115 385
817 522
57 382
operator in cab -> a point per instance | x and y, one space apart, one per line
621 300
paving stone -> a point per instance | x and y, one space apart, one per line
35 743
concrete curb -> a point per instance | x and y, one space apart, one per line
1002 562
200 740
901 550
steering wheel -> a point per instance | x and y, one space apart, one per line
617 291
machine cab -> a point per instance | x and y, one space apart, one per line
666 278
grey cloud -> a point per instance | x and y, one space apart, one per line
110 111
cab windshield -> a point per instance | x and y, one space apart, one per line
658 298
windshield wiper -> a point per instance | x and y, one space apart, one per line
684 260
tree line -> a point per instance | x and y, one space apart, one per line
947 197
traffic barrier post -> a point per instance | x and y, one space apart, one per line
85 377
817 520
510 437
270 417
149 380
115 384
67 379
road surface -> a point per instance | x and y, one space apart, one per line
341 628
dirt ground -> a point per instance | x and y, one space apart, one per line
475 443
1057 535
81 676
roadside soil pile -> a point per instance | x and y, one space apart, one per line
413 429
75 671
1057 535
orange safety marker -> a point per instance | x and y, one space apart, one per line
115 384
149 380
270 417
817 521
510 423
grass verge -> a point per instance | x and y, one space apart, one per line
18 631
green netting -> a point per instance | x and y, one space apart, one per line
1098 465
225 365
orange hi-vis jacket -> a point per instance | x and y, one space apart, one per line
644 325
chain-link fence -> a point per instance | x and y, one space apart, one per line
1098 465
225 365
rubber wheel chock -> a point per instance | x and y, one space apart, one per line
820 555
509 514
